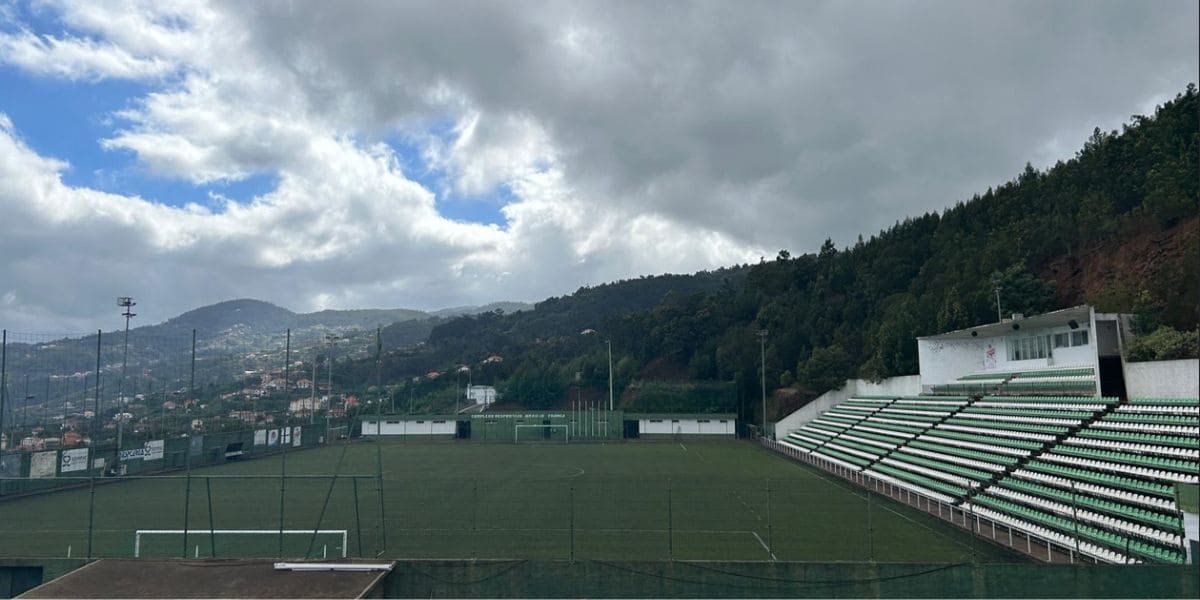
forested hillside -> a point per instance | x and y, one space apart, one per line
1115 226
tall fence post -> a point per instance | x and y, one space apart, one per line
212 527
91 511
96 405
187 501
357 518
379 478
770 543
870 531
571 512
3 378
474 518
282 492
670 525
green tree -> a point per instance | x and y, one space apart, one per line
1166 343
827 368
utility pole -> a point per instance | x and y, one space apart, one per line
762 341
127 303
610 374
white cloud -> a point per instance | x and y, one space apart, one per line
76 58
634 138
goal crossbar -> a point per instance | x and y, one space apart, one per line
137 538
518 428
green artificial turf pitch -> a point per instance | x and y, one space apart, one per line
707 500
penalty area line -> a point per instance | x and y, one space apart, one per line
764 545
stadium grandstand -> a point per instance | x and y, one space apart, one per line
1019 425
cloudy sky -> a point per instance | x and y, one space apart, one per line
429 154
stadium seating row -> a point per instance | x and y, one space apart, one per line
1081 471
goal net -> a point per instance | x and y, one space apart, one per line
542 433
240 543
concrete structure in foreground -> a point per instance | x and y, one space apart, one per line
213 578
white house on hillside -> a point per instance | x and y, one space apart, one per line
481 394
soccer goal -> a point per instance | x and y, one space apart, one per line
543 433
245 538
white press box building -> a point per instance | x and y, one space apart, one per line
1079 347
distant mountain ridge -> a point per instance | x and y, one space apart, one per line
232 337
261 316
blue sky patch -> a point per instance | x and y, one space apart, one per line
483 209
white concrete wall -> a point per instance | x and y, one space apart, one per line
1163 379
904 385
409 427
686 427
943 361
717 427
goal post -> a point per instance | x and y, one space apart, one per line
138 534
547 433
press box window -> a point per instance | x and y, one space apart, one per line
1028 348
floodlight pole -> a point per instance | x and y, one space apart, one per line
996 287
287 374
312 393
762 341
96 398
332 340
127 303
25 406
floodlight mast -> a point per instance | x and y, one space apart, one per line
127 303
608 346
997 287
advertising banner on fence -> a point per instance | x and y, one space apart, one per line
260 437
98 463
10 466
43 464
152 450
73 460
296 436
272 437
285 436
196 446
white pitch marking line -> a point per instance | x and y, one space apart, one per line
764 545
